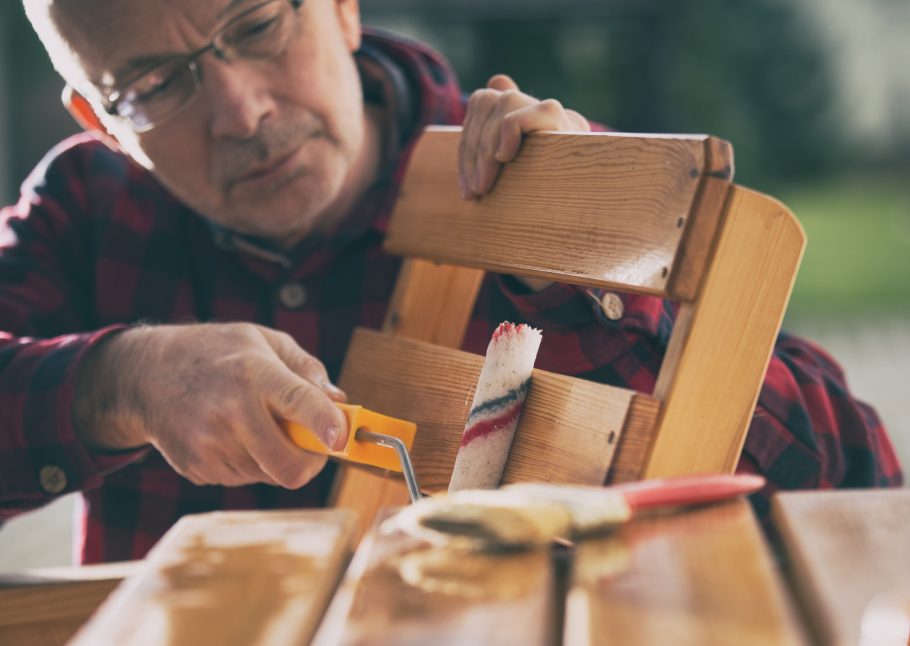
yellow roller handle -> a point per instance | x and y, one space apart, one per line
367 453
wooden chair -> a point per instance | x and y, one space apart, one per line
646 214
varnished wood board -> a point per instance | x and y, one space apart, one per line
715 364
699 577
592 208
242 578
568 430
848 551
401 590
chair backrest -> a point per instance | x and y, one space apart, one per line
648 214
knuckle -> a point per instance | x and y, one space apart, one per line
483 95
295 395
551 106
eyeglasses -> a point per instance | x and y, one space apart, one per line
263 31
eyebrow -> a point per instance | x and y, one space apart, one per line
140 64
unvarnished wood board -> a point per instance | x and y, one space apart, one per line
698 577
847 550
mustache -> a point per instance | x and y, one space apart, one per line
234 158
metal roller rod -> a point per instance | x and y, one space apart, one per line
407 469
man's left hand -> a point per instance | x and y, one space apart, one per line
498 116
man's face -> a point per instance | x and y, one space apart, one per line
266 146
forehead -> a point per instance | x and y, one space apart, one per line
108 36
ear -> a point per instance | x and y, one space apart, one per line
349 21
84 114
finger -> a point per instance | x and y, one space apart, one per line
286 464
578 121
487 166
502 82
245 468
289 397
302 363
480 107
545 115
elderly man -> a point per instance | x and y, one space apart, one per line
188 274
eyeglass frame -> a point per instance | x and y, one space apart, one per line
110 97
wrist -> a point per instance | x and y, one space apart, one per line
106 414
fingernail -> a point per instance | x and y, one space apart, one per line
332 436
330 387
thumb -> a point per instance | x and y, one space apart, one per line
502 82
297 400
302 363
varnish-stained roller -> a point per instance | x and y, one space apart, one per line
498 399
362 447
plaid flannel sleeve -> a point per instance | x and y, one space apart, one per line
44 323
810 432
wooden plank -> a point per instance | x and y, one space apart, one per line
48 594
597 209
568 430
400 590
46 606
248 577
431 303
707 211
848 551
721 344
635 441
700 577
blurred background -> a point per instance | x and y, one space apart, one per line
813 94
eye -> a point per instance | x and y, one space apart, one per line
154 85
253 31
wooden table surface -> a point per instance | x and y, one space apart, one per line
702 576
698 576
849 552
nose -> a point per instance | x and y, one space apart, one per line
238 97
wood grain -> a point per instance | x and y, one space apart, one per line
700 577
699 238
721 344
400 590
567 433
46 606
635 441
596 209
249 577
847 551
431 303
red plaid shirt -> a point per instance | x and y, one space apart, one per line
96 242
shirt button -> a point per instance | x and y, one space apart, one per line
292 295
612 306
52 479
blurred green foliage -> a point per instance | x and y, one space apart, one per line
857 260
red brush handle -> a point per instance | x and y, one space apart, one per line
688 490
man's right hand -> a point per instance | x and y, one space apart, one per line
209 397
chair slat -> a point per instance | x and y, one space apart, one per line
592 208
568 431
721 344
248 577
